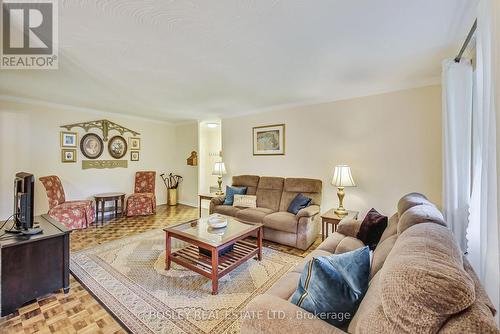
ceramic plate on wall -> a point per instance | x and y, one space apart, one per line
117 147
91 146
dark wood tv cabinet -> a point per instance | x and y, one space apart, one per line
34 266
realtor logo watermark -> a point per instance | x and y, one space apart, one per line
29 34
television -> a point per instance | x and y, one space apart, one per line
24 186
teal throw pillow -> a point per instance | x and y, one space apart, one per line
331 287
231 191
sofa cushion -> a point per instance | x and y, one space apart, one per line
348 244
368 305
476 319
249 181
285 286
410 200
308 187
227 210
330 244
371 228
253 215
426 213
315 253
423 281
334 285
298 203
269 192
392 227
231 191
281 221
380 254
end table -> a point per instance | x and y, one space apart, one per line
330 217
207 197
112 197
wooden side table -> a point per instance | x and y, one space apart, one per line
106 197
207 197
330 217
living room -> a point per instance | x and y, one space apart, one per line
249 167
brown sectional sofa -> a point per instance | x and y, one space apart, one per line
274 195
419 282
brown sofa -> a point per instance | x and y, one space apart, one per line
419 283
274 195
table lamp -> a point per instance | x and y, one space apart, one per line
342 178
219 170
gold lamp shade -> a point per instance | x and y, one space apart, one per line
342 178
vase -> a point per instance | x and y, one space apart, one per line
172 196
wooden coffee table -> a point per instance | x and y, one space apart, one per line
214 241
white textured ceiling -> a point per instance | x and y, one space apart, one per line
179 60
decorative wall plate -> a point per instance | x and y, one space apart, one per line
91 146
117 147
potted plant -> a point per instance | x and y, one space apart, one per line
172 182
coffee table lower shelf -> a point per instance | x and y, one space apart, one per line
214 266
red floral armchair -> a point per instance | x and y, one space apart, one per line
143 201
73 214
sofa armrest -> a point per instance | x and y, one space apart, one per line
269 314
216 201
309 211
349 227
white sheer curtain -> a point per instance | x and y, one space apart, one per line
457 145
483 236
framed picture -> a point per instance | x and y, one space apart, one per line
269 140
69 139
117 147
134 155
68 155
135 143
91 146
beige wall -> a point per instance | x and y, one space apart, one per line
186 141
210 146
392 143
29 141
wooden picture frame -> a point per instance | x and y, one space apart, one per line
91 146
68 155
117 147
269 139
69 139
134 155
134 143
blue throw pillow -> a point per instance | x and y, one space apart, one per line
331 287
231 191
299 202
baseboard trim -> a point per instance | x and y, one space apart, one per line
194 205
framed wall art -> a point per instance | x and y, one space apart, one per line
117 147
134 155
69 139
68 155
91 146
134 143
269 140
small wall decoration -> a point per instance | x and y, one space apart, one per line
117 147
101 164
135 143
69 139
269 140
134 155
68 155
91 146
193 159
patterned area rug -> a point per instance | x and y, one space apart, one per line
128 276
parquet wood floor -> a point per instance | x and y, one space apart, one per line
78 311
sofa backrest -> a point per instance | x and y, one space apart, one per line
423 283
249 181
269 192
308 187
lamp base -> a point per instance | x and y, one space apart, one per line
341 212
219 182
